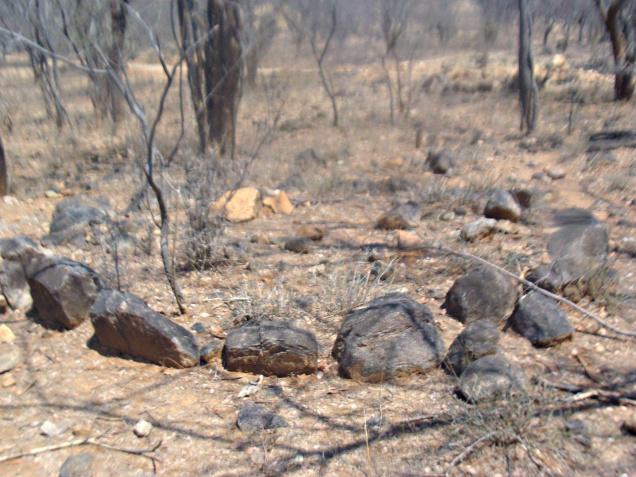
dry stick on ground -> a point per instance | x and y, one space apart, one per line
86 441
583 311
469 450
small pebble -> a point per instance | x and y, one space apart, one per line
142 428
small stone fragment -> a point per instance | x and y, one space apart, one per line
212 351
6 335
555 173
142 428
478 229
49 429
240 205
279 203
440 162
407 240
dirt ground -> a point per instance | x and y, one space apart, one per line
336 426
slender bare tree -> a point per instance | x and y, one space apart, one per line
528 91
4 175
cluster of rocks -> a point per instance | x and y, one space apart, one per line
245 204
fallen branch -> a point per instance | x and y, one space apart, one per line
86 441
469 450
529 284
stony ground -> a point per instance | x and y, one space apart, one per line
336 426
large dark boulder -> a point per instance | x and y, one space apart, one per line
62 290
478 339
270 348
489 378
401 217
481 294
73 217
390 337
539 318
502 206
124 323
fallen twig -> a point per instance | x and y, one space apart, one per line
469 450
86 441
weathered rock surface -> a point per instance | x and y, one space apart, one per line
73 218
579 251
63 291
481 294
298 245
17 254
440 162
478 229
489 378
390 337
254 417
78 465
478 339
241 205
279 203
502 206
400 217
124 323
540 320
9 357
271 349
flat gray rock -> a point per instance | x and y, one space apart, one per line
78 465
73 217
481 294
390 337
124 323
540 320
254 417
478 339
489 378
270 348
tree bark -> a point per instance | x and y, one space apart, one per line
620 30
118 18
4 176
528 92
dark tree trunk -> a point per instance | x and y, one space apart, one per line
210 39
118 18
4 176
528 92
621 31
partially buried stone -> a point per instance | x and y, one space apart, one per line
489 378
254 417
478 339
79 465
400 217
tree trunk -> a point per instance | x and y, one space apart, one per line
118 20
4 176
617 28
546 34
210 40
528 92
